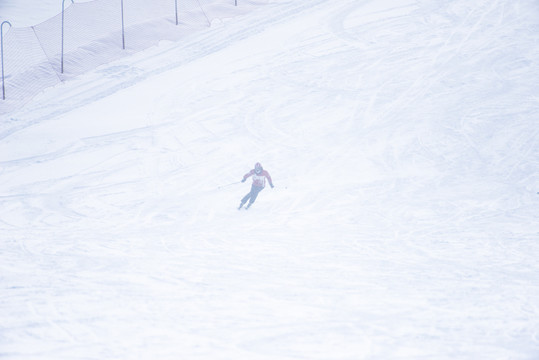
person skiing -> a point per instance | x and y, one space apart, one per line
259 182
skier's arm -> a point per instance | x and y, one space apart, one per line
250 173
267 175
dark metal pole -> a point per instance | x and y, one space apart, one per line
2 56
176 3
123 31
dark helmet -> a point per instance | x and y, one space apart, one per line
258 168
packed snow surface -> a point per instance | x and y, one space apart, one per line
402 139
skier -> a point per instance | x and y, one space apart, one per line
259 182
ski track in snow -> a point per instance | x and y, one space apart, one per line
403 224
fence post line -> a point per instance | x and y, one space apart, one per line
176 3
2 55
62 61
123 31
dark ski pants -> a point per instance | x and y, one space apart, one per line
251 196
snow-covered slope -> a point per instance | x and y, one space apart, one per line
401 137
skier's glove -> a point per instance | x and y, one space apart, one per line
242 180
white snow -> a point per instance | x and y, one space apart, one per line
402 139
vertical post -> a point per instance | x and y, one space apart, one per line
62 61
235 2
176 3
123 31
2 55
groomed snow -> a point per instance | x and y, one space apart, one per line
402 139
